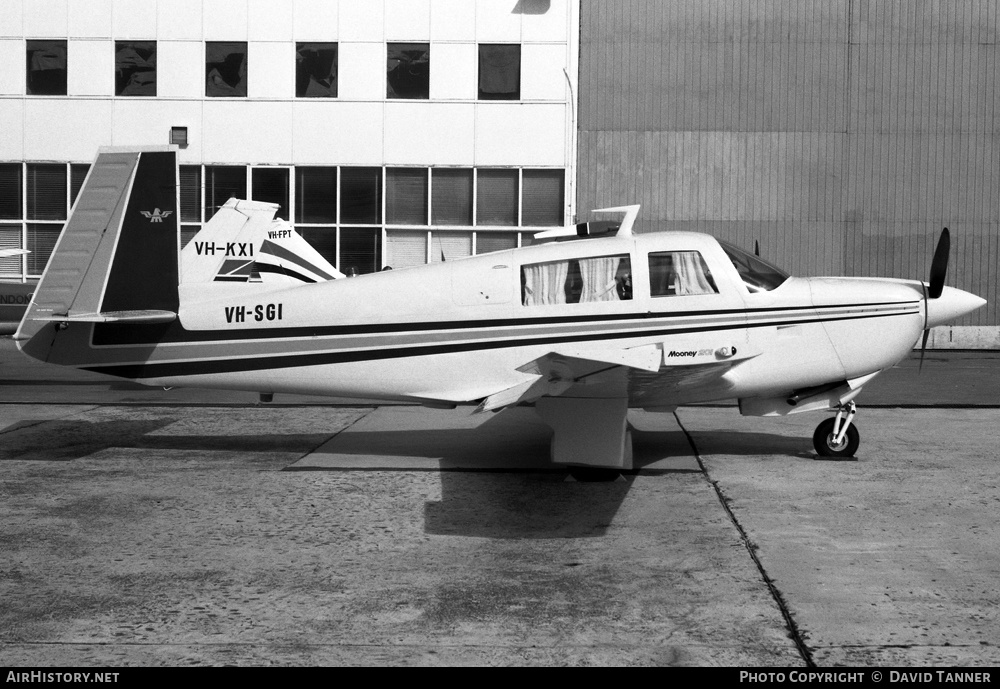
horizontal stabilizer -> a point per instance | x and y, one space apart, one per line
151 316
6 253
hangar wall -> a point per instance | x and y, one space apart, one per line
841 134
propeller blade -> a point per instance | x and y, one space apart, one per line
756 248
939 265
923 349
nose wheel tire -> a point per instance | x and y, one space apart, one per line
825 445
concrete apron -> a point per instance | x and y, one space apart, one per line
145 536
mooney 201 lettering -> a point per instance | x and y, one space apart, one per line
584 324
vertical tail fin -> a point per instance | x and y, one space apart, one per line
116 259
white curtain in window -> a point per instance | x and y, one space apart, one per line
598 276
691 274
545 283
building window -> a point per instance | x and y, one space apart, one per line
223 182
46 62
10 191
406 196
225 69
135 68
10 238
452 203
408 70
360 250
77 176
361 195
499 71
363 219
270 184
324 240
46 191
496 197
316 70
542 202
316 195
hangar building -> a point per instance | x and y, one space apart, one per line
840 134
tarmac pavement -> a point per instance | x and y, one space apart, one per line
143 527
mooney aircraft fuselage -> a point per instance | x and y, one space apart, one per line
583 329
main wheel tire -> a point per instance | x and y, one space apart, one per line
825 447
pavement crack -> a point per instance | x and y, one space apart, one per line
751 548
331 437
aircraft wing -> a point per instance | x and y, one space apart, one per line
649 368
6 253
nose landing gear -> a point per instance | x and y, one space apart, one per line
838 437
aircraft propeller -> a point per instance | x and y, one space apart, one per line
935 286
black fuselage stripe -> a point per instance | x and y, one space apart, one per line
175 333
244 364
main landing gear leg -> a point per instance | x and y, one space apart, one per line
838 437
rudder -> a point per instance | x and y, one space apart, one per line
117 257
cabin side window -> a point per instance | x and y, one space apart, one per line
577 281
678 273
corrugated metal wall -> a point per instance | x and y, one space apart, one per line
842 134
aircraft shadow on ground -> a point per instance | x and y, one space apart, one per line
45 440
743 443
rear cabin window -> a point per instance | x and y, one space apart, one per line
679 273
577 281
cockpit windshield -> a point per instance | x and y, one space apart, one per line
757 275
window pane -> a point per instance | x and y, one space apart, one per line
10 238
452 194
579 281
46 62
270 184
10 191
190 193
543 198
77 175
46 192
135 68
225 69
406 196
496 197
675 273
316 70
408 70
361 250
448 246
41 241
323 239
361 195
487 242
223 182
404 248
499 72
188 232
316 194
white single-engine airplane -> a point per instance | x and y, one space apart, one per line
584 326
